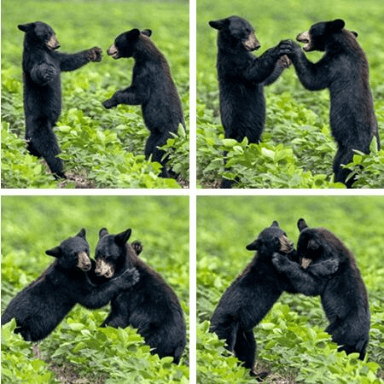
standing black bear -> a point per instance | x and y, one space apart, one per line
152 87
151 306
40 307
344 71
42 65
339 283
242 77
249 298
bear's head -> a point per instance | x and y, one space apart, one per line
316 243
124 45
73 253
236 33
40 34
112 254
322 34
270 240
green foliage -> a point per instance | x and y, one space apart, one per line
78 346
18 365
291 341
101 148
297 126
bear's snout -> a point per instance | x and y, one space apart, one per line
104 269
53 43
84 262
113 51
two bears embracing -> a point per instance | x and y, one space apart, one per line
139 296
321 265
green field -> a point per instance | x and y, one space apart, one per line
297 148
101 148
291 340
78 350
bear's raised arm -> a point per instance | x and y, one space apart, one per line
70 62
302 281
263 67
100 295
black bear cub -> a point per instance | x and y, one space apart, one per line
150 306
344 71
242 77
42 64
152 87
40 307
327 268
249 298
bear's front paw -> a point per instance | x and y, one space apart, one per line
108 104
49 73
130 277
137 247
284 61
94 54
279 261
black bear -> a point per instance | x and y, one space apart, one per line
248 299
42 64
344 71
150 306
152 87
242 77
40 307
327 268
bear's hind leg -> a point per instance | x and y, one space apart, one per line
41 142
245 347
154 141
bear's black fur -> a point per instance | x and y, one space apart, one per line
152 87
42 65
327 268
151 306
242 77
40 307
344 71
249 298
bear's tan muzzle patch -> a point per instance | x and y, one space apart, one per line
83 261
53 43
305 37
305 262
104 269
113 51
285 245
251 43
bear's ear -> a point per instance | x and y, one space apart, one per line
81 233
301 224
253 246
55 252
133 34
355 33
103 232
275 224
123 237
219 24
146 32
26 27
336 25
